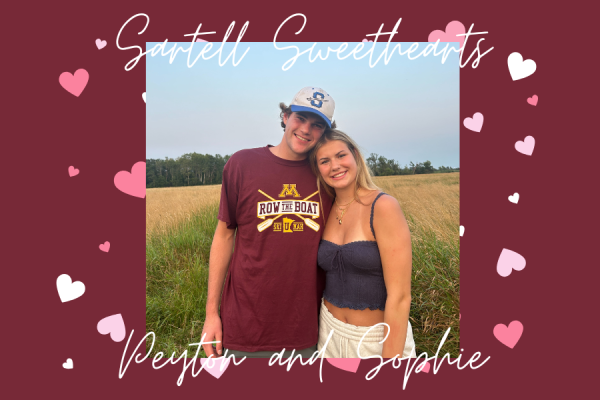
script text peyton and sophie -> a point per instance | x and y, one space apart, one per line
417 364
312 53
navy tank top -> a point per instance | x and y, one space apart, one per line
354 273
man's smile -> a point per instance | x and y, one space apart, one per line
301 138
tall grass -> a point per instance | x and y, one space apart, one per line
431 206
166 208
176 279
180 223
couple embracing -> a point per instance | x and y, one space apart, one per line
305 244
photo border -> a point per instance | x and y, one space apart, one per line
91 205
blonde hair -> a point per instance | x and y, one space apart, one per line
363 173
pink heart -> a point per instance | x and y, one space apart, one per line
74 84
105 247
525 147
452 29
133 183
201 40
100 44
366 40
508 261
509 335
114 325
533 100
215 370
346 364
425 367
73 171
474 123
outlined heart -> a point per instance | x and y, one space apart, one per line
462 230
518 68
73 171
68 364
514 198
509 335
74 84
133 183
452 29
533 100
346 364
508 261
474 123
214 367
114 325
67 289
526 147
105 247
100 44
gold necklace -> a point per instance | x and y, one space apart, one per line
343 205
343 211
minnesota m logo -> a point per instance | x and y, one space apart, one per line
289 190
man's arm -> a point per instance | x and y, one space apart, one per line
220 255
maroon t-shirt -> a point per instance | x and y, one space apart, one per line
273 286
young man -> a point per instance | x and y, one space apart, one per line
270 204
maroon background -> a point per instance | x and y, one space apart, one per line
56 223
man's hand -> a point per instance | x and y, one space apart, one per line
220 255
214 332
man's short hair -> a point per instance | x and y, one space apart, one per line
287 110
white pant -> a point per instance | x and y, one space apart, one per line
346 337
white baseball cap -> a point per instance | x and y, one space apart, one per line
314 100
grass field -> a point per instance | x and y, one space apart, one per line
180 223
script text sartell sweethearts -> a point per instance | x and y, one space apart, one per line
313 53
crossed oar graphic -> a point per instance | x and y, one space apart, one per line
265 224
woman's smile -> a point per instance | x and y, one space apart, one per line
339 175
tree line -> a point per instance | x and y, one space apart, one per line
381 166
194 169
190 169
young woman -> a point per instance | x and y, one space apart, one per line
366 254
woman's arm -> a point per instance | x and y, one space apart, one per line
393 240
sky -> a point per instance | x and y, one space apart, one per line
407 110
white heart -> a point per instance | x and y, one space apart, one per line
68 364
526 147
514 198
69 291
462 230
518 68
144 96
100 44
474 123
